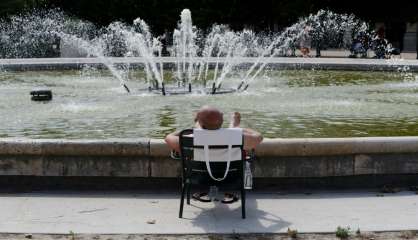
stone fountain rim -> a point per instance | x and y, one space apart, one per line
278 62
157 147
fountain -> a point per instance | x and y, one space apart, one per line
235 70
222 50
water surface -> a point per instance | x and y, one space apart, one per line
289 103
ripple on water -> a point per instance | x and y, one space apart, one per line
79 107
330 104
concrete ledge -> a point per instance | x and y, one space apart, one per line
162 166
109 147
149 158
336 146
83 166
158 148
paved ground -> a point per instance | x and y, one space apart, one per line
399 235
345 53
148 213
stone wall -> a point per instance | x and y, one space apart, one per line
149 158
355 64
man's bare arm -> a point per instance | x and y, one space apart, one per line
173 141
252 138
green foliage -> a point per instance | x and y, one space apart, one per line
342 233
72 235
9 7
262 14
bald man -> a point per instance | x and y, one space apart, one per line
211 118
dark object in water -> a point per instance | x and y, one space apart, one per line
174 90
126 88
41 95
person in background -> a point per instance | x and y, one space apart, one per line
305 42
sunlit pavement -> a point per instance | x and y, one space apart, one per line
116 212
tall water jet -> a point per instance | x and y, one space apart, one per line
185 48
141 42
95 49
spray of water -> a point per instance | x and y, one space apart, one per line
185 48
41 34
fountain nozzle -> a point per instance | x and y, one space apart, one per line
163 89
213 88
126 88
240 85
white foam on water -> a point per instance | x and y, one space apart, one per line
79 107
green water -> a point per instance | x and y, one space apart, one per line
288 103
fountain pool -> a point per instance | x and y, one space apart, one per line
89 103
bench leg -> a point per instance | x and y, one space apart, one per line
243 203
189 187
183 189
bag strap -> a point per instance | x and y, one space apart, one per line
206 154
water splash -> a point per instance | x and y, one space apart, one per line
185 48
42 33
35 34
324 29
94 49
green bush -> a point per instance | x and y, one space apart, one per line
342 232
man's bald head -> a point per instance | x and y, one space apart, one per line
210 118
